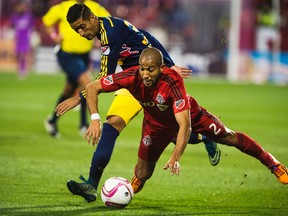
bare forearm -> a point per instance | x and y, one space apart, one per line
181 142
184 122
92 92
93 133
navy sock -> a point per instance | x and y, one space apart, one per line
83 112
54 116
209 144
102 155
194 138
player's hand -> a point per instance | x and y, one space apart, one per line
184 72
93 132
173 166
67 105
57 38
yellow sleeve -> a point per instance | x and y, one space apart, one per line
52 16
97 9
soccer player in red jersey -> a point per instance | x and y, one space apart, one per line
122 44
169 113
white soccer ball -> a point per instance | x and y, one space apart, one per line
117 192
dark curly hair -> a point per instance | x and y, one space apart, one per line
78 11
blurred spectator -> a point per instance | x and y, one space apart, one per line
22 22
267 31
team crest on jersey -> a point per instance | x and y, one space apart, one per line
105 50
179 104
162 107
108 80
159 98
147 140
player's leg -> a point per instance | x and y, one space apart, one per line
123 108
143 171
153 143
51 122
22 64
212 127
74 66
212 148
82 72
250 147
83 80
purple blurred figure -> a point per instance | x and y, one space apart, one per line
22 22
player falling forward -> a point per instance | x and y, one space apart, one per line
121 43
152 82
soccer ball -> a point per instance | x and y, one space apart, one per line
117 192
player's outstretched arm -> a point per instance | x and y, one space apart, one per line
94 130
183 119
184 72
67 105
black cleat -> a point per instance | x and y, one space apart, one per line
51 128
85 190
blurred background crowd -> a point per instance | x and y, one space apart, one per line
201 34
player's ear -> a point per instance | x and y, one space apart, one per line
162 67
92 18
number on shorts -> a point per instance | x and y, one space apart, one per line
215 128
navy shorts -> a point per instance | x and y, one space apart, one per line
73 65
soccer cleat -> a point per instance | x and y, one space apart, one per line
281 173
86 190
214 153
137 185
51 128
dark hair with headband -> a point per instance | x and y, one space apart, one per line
78 11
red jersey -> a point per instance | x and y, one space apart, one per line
160 101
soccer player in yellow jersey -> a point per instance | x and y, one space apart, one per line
72 55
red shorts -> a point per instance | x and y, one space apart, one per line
209 125
154 140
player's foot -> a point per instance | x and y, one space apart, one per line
281 173
137 185
214 152
83 129
85 190
51 128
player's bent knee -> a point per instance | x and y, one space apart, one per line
229 139
116 121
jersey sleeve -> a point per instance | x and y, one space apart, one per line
52 16
125 79
179 96
110 47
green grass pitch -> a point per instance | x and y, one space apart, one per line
35 167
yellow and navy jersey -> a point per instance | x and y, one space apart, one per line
71 41
122 44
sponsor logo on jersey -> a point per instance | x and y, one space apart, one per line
147 140
162 107
159 103
105 50
126 51
179 104
159 98
108 80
